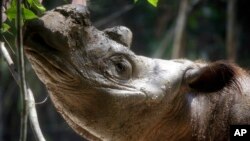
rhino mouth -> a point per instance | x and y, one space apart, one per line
44 57
39 51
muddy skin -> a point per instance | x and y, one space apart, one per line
106 92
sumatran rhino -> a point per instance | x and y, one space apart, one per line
106 92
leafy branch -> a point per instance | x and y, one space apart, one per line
30 96
31 9
19 12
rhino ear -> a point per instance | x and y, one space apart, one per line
214 77
120 34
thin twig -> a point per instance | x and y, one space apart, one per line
31 102
10 62
33 117
43 101
21 71
7 42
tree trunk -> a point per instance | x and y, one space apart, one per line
231 31
178 44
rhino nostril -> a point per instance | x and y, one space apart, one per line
36 41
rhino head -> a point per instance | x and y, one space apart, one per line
106 92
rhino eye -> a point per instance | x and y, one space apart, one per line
120 68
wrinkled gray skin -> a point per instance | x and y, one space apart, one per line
106 92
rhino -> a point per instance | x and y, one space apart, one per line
105 92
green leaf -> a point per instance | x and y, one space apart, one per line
153 2
11 13
5 27
28 14
30 2
135 1
37 5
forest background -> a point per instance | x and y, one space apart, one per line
195 29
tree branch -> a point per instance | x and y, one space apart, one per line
113 16
231 31
30 98
180 29
21 71
170 33
164 43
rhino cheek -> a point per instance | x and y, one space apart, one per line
160 79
